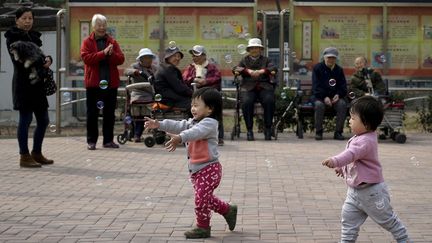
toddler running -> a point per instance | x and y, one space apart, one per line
200 134
367 193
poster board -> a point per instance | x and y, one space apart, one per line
219 29
359 31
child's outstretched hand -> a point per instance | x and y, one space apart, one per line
150 123
328 162
339 172
175 140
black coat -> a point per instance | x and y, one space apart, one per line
26 96
169 83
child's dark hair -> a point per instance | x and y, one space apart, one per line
211 98
370 110
20 11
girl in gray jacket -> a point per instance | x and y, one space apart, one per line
200 134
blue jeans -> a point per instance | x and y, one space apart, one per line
25 119
373 202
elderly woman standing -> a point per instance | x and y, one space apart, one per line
28 98
256 71
169 81
101 55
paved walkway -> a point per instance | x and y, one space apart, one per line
139 194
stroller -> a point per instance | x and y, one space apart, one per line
392 124
141 102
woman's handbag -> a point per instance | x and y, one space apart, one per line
49 84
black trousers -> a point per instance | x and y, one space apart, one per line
95 97
267 100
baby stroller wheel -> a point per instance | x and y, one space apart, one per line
400 138
149 142
122 139
393 135
159 137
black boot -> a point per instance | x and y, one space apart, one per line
250 136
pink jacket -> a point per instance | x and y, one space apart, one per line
359 161
91 57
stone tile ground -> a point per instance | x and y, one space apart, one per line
140 194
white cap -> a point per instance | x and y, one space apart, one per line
254 42
145 52
197 50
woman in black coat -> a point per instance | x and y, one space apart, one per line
28 98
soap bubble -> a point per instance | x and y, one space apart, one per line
228 58
98 180
128 120
293 54
383 58
283 95
100 105
103 84
158 97
172 45
241 49
414 161
247 36
351 95
332 82
66 96
52 128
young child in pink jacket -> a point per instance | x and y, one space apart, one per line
359 164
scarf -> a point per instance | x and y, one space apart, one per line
200 70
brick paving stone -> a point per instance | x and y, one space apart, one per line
140 194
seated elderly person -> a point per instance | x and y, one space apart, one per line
257 71
329 88
141 71
169 81
204 74
366 81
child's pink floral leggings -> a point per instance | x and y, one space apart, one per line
205 182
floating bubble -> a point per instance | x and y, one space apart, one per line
100 105
158 97
241 49
52 128
332 82
172 45
383 58
269 163
98 180
247 36
228 58
66 96
128 120
283 95
293 54
351 95
103 84
415 161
